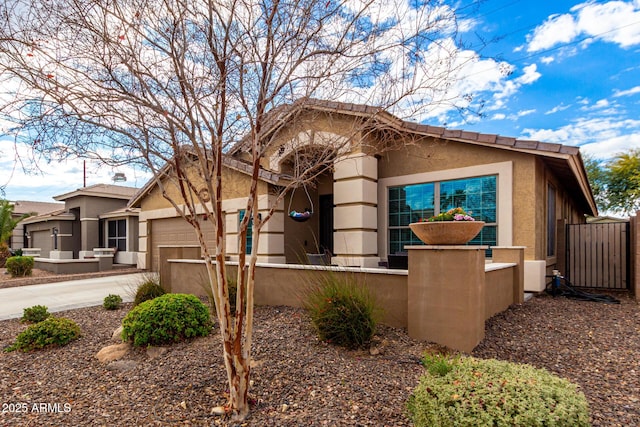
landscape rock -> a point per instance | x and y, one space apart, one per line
113 352
122 365
117 334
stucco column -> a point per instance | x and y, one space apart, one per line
271 244
512 254
89 233
355 195
446 295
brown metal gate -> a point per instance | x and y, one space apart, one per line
598 255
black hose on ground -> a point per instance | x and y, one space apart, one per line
560 286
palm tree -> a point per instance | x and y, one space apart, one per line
7 224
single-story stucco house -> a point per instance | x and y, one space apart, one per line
91 217
395 173
18 239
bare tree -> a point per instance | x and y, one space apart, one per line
174 85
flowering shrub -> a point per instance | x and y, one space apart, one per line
465 391
455 214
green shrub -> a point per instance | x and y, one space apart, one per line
20 266
35 314
112 302
54 331
148 290
342 311
476 392
166 319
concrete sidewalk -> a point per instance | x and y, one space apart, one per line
62 296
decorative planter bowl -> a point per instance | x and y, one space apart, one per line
446 232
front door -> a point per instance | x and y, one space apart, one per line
326 222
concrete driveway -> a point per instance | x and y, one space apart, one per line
67 295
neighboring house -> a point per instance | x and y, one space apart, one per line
18 239
91 217
525 191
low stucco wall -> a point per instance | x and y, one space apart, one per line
498 290
285 284
64 266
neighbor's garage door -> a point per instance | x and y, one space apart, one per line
174 231
43 240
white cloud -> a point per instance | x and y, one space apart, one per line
602 103
613 21
627 92
523 113
557 109
557 29
608 148
530 75
602 137
547 59
24 177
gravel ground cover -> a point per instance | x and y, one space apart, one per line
299 381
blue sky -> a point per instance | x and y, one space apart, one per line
575 80
581 67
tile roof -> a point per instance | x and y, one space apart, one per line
279 116
101 190
28 207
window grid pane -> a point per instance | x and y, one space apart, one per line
249 246
117 234
410 203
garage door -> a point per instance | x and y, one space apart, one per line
43 240
174 231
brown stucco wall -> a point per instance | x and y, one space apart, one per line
498 291
431 155
318 122
286 286
234 184
41 236
92 207
483 294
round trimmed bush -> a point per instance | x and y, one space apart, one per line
51 332
467 391
35 314
112 302
148 290
20 266
342 311
166 319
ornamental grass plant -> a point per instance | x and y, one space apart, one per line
342 310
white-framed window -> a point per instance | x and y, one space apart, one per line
409 203
117 234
